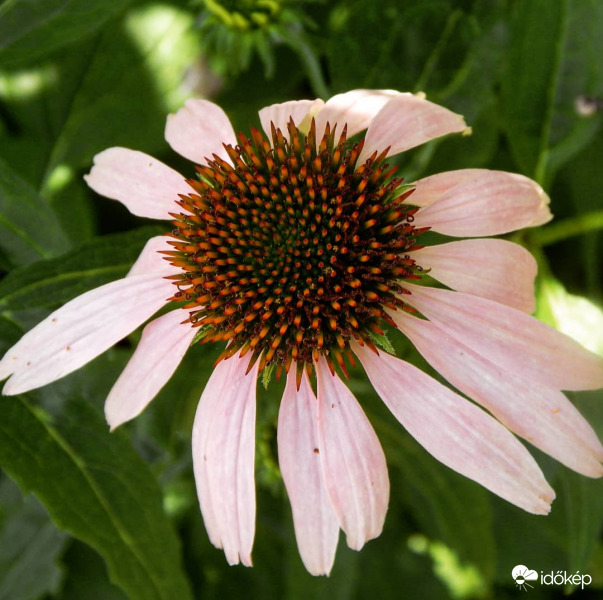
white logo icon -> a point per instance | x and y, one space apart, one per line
522 575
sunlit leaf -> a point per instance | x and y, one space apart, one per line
132 81
113 91
575 316
582 499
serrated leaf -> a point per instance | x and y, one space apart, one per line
555 58
30 29
55 281
29 230
29 546
96 487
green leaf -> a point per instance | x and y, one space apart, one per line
114 90
382 341
267 375
472 85
443 504
357 59
47 283
555 58
581 498
579 260
573 315
449 507
9 334
416 45
86 577
96 487
117 101
29 230
29 29
584 510
565 539
29 545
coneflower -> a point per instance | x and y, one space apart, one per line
296 248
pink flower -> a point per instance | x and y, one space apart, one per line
296 247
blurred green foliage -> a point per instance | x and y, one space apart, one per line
77 76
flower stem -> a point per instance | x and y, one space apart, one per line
568 228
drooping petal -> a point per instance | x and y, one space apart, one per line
541 415
151 262
458 433
490 268
479 202
81 330
223 458
352 459
356 109
146 186
199 130
513 340
163 344
279 114
407 121
316 525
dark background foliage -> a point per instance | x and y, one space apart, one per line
88 515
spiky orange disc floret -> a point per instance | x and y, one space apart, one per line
293 250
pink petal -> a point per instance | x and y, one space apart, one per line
279 114
458 433
316 525
199 130
147 187
163 344
352 460
356 109
543 416
407 121
81 330
511 339
495 269
478 202
150 262
223 458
